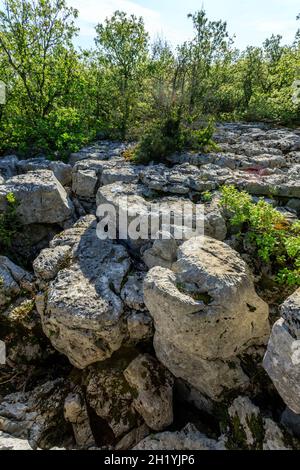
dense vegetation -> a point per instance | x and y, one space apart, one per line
60 97
264 230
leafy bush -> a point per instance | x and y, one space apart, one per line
9 224
276 241
169 136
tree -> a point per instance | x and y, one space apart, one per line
252 72
36 43
272 49
210 44
123 44
36 37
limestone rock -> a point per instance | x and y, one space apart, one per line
206 312
154 386
75 411
132 292
82 313
8 166
282 363
12 280
133 437
249 430
139 202
282 359
50 261
41 198
187 439
61 170
36 415
111 397
274 438
139 326
8 442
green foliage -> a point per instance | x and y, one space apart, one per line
206 196
123 46
9 224
276 241
172 135
159 141
58 98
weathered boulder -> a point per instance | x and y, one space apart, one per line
206 313
133 437
41 198
129 391
61 170
154 387
282 359
139 326
85 180
162 253
187 439
50 261
81 309
89 175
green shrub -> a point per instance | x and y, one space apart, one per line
274 239
206 196
169 136
9 224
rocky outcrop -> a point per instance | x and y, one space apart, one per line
187 439
36 415
140 205
282 359
103 150
41 198
61 170
81 309
249 430
206 313
100 302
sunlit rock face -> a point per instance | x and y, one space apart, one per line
206 312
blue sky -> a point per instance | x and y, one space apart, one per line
250 20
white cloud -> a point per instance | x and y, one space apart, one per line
92 12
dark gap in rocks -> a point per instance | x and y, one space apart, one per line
185 413
102 433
